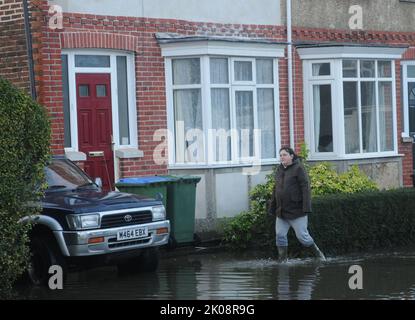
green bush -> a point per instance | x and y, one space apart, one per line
325 180
24 145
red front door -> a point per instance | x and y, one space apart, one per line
93 95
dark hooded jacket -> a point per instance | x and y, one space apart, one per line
291 198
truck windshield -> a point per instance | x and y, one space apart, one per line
62 174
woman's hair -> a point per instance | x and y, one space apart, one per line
289 151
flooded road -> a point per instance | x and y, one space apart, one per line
246 275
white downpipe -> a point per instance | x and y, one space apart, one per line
290 76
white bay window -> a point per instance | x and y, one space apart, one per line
222 108
350 101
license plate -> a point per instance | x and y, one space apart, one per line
132 233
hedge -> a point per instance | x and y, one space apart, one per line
342 223
24 145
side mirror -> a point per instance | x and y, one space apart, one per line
98 182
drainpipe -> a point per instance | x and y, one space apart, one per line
29 49
290 76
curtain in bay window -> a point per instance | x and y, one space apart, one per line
369 127
244 103
265 105
188 120
385 116
221 122
351 117
264 71
219 71
266 122
243 71
186 71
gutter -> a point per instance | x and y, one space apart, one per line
29 50
290 76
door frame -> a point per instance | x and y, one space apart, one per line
112 70
405 80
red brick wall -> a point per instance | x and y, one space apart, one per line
409 54
283 91
298 100
132 34
137 34
13 53
14 64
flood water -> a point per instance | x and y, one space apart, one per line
246 275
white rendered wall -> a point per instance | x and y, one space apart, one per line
201 207
265 12
231 194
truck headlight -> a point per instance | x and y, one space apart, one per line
87 221
159 213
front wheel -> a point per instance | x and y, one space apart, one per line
44 254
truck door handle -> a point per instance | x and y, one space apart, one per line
93 154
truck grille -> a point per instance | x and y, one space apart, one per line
126 219
112 243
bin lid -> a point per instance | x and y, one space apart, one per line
145 180
183 179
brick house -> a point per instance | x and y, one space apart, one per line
203 88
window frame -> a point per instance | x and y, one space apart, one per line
312 140
232 85
235 82
405 80
337 79
112 70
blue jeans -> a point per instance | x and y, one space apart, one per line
300 227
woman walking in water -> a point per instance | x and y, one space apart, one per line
291 203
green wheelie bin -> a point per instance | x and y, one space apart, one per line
181 205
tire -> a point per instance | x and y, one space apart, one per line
148 261
172 244
197 240
44 253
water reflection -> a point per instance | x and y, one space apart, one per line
244 276
296 283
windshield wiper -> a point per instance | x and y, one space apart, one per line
56 187
85 185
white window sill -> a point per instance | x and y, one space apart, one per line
220 166
75 155
128 153
407 139
353 157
